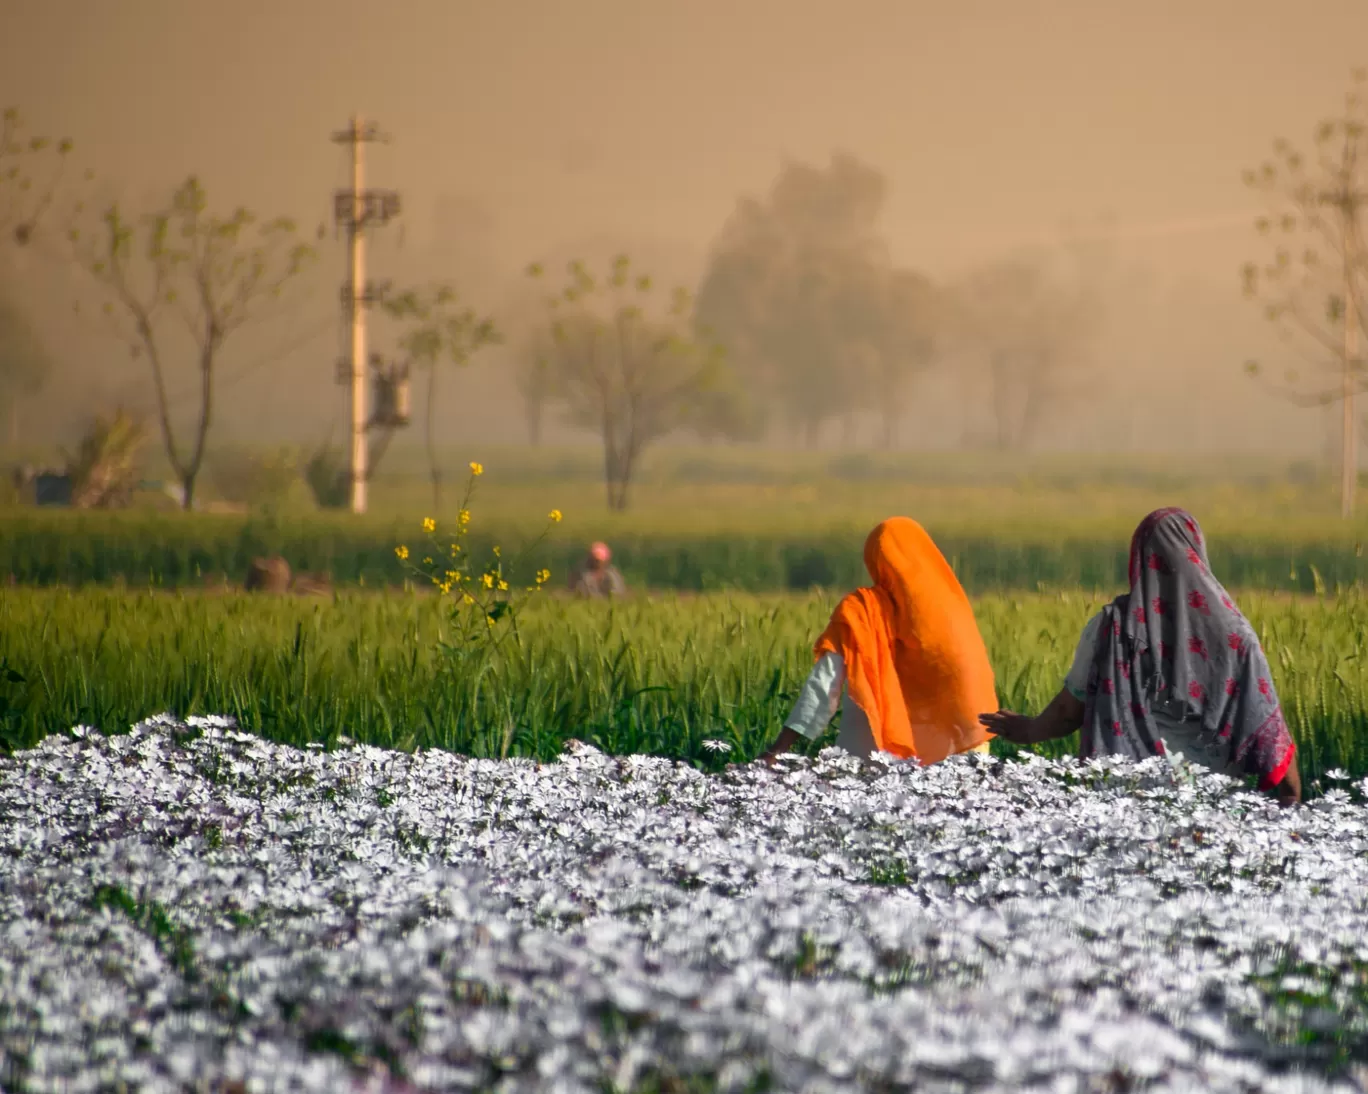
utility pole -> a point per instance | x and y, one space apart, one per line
354 208
1349 465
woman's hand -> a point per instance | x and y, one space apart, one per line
1289 791
1019 729
787 739
1059 719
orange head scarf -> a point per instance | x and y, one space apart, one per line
915 662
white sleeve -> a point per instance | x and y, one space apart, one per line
819 697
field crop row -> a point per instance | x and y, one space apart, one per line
653 675
178 551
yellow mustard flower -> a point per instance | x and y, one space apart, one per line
488 580
555 515
466 598
543 576
429 525
427 561
402 552
464 517
490 620
476 468
503 586
497 552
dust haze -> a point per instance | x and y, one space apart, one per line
542 131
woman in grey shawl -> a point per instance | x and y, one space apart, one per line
1170 668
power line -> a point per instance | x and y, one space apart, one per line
317 329
271 357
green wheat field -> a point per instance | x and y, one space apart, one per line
659 674
735 559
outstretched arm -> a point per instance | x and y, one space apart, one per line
1059 719
815 707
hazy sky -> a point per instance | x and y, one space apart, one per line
553 123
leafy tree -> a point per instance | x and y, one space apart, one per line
104 469
1031 327
438 327
888 331
328 476
917 308
211 275
31 171
724 410
800 289
24 363
1314 287
630 375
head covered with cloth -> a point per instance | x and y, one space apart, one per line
1176 649
915 663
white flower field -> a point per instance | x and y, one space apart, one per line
186 907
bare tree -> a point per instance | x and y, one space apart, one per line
438 327
630 376
533 374
210 275
1314 288
529 352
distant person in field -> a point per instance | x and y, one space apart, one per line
907 654
596 576
1171 668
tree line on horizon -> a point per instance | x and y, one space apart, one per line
801 317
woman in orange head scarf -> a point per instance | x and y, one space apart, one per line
907 652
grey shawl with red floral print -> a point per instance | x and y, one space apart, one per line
1176 644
